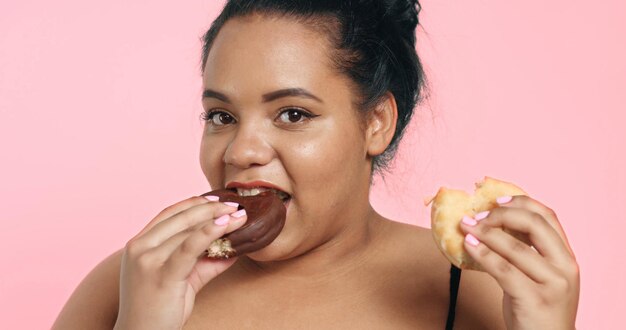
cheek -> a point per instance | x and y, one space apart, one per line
211 155
331 155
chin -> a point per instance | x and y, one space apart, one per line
264 255
277 250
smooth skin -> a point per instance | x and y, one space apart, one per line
337 264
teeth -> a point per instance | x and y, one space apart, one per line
251 192
255 191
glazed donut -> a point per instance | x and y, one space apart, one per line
450 205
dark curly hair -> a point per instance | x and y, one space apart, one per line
373 44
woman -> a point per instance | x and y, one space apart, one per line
312 98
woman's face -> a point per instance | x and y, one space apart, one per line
308 145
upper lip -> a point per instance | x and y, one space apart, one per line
254 184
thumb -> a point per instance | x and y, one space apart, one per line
207 269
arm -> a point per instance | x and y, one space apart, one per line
153 281
94 303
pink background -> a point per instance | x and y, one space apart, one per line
99 131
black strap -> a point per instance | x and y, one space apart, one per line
455 279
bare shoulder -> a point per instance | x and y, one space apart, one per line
479 299
416 245
94 303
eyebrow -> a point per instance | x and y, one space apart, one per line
299 92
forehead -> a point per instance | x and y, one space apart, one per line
265 53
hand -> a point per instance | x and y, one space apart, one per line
163 269
541 283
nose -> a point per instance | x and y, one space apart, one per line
248 148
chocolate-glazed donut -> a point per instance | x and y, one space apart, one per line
266 218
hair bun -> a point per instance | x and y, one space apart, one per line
404 15
392 16
405 11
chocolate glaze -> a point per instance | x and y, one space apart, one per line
266 218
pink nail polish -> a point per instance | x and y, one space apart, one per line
223 220
469 221
231 204
481 215
212 198
238 214
473 241
504 199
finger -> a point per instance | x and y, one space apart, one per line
164 251
174 209
548 238
547 213
184 258
518 253
183 220
511 279
542 235
207 269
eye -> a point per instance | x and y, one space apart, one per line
294 115
218 118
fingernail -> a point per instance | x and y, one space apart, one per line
473 241
469 221
238 214
223 220
481 215
231 204
504 199
212 198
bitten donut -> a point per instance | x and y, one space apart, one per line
266 218
450 205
